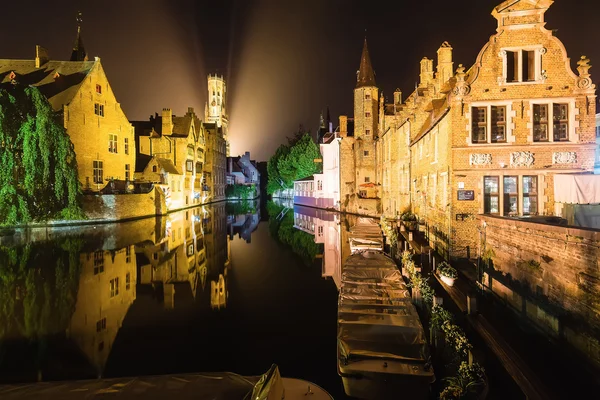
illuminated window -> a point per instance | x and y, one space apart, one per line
511 196
491 203
98 89
127 171
543 114
99 109
98 262
98 168
114 287
530 203
112 143
126 145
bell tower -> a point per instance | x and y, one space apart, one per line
216 104
366 97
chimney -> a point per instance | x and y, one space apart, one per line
343 125
397 97
426 72
445 66
41 56
190 110
167 121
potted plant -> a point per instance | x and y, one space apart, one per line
447 273
410 221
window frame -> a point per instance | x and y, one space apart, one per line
99 109
126 145
539 73
113 142
530 195
507 196
491 195
572 136
98 171
98 88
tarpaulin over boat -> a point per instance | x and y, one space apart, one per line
376 318
366 234
577 189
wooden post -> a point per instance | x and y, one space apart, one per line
471 304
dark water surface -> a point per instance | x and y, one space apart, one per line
215 288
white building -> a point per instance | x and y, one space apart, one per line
322 190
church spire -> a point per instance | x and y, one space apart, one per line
365 75
79 53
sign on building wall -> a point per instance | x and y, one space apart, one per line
464 195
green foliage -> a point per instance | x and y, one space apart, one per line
38 178
444 269
290 163
240 207
301 242
469 379
408 216
38 288
242 192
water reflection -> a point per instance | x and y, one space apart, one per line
68 286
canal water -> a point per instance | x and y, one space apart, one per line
224 287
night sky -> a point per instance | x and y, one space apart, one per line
285 61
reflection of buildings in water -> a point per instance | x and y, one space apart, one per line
326 228
243 225
107 288
177 265
218 292
218 253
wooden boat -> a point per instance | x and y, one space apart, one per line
382 348
365 235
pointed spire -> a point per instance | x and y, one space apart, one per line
365 76
79 53
321 121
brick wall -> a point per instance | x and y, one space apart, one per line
555 263
123 206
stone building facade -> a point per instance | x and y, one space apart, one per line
171 153
487 140
79 91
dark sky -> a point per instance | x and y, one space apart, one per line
285 61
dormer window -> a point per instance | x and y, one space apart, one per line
98 89
522 65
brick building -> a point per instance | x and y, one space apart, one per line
171 152
79 91
487 140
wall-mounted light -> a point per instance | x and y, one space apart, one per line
502 164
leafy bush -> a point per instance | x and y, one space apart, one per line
446 270
238 191
468 380
408 216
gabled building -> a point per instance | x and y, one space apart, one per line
242 170
171 152
79 91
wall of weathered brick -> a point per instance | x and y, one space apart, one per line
564 276
123 206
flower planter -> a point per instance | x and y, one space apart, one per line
448 281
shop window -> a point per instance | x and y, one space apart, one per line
491 203
511 196
530 195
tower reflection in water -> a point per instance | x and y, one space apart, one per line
57 289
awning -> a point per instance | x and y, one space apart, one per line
577 189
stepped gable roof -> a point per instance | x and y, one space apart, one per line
58 81
366 75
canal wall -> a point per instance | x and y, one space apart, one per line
118 207
550 275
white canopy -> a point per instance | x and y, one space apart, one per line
577 189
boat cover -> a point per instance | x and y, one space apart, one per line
365 235
376 317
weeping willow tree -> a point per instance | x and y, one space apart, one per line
38 178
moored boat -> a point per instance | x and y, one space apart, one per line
382 347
